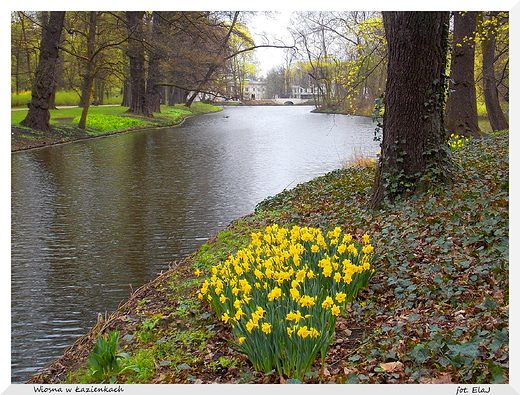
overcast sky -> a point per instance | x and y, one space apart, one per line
273 27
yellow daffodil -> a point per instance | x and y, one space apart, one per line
327 303
250 325
327 271
266 327
239 314
225 317
294 316
341 297
335 310
367 249
295 294
260 311
307 301
274 294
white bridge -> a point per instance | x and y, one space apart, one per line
292 100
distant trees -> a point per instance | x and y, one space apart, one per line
25 40
166 57
152 57
344 53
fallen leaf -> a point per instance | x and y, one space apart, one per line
445 379
325 372
391 366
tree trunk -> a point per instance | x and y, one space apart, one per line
496 116
153 94
137 62
89 71
38 115
127 94
461 107
413 123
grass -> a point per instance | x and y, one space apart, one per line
63 98
102 120
437 310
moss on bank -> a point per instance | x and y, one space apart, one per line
436 312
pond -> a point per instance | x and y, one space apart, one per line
93 219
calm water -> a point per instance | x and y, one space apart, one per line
90 219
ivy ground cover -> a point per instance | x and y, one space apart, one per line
435 311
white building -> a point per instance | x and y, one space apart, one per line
254 90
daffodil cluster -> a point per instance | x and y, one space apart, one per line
457 142
283 293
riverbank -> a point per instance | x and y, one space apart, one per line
64 121
436 311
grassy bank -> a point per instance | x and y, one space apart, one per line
437 310
102 120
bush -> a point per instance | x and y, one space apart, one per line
283 293
105 363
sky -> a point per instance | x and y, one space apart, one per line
272 27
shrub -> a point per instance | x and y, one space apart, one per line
283 293
105 363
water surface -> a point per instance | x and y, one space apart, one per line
92 218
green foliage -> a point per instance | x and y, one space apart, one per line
444 255
438 306
105 363
63 98
112 123
283 292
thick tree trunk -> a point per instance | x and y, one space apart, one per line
153 94
43 88
137 62
461 107
127 95
413 122
496 116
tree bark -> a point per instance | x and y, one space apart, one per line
43 88
153 94
89 71
496 116
413 122
137 62
461 107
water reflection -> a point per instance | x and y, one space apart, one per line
90 219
